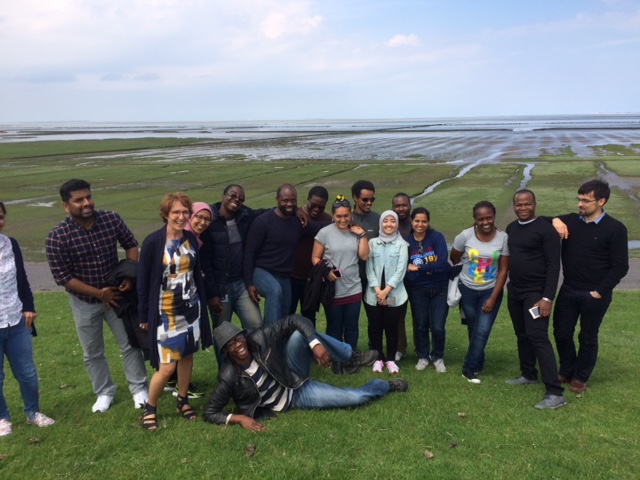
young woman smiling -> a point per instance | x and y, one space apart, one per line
484 254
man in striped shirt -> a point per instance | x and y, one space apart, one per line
267 371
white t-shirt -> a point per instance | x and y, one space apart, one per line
480 260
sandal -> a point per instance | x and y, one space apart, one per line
183 408
149 420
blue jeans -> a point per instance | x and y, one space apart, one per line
318 395
429 310
479 325
15 343
239 302
276 291
342 322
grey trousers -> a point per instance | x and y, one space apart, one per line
88 318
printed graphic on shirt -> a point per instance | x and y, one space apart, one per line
418 259
483 269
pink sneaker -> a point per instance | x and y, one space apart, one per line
378 366
40 420
392 367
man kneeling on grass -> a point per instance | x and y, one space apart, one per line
267 371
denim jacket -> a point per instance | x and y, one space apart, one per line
393 257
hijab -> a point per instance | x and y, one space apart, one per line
197 208
383 236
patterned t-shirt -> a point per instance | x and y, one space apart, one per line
480 259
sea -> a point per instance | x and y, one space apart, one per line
468 142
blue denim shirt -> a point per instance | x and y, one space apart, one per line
393 257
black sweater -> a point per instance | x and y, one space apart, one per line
534 264
595 256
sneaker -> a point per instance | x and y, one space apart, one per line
551 401
193 392
171 386
102 403
378 366
360 359
140 398
40 420
398 385
439 365
521 380
392 367
5 428
422 364
471 378
399 356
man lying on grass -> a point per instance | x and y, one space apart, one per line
267 371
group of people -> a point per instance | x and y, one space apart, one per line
210 261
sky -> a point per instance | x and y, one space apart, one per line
219 60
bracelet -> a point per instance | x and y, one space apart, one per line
547 300
101 294
362 235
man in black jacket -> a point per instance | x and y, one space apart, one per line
222 255
267 371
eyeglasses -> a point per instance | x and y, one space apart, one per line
202 219
585 200
368 200
177 213
232 343
341 203
420 248
233 196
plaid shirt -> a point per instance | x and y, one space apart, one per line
87 255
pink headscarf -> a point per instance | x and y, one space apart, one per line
198 207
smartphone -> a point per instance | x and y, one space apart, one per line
337 272
535 312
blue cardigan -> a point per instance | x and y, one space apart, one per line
149 280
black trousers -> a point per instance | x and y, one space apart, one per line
533 340
572 304
384 320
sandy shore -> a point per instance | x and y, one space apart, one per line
41 281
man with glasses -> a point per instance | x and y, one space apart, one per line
222 255
82 251
363 193
594 260
267 371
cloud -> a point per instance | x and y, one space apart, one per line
404 41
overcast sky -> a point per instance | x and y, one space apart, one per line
213 60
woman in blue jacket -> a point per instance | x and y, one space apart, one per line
426 281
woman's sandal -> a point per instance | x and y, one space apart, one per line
184 409
149 420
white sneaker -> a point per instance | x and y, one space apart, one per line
140 398
378 366
422 364
40 420
392 367
102 403
5 428
439 364
399 356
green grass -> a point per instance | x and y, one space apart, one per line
486 431
131 176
